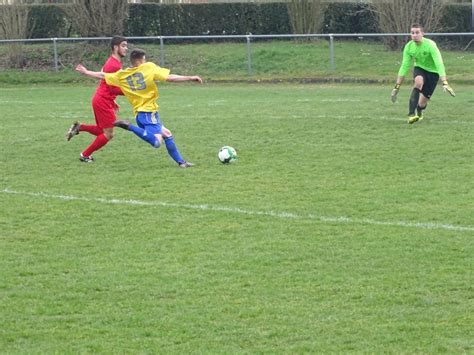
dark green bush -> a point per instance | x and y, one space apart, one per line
457 18
48 21
349 18
230 18
207 19
143 20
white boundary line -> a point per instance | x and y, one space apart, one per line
274 214
341 117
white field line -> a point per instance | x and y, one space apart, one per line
235 210
347 100
401 118
42 102
316 100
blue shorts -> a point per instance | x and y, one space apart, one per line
150 121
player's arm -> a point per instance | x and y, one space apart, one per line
91 74
173 78
395 90
114 90
406 61
438 60
447 88
110 67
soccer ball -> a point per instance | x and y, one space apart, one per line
227 155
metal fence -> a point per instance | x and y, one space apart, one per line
247 39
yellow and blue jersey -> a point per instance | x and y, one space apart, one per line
138 85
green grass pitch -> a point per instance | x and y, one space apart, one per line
340 228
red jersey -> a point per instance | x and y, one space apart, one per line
105 91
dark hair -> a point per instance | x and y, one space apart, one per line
116 40
137 54
417 25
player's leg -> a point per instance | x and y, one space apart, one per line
105 118
422 103
154 130
150 129
414 98
109 133
77 127
431 80
89 128
73 130
173 150
145 129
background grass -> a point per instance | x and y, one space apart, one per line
271 60
339 229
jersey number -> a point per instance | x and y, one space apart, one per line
136 82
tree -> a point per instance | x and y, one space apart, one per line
396 16
96 18
14 25
306 16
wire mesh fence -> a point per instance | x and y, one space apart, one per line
252 54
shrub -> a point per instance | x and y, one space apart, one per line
48 21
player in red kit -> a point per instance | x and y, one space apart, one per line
103 104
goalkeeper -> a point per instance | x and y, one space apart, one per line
428 69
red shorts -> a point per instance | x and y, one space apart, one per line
104 111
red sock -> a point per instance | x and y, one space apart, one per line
98 143
92 129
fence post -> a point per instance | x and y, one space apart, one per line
55 49
331 52
249 56
162 52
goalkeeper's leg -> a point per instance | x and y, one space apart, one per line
422 103
414 99
412 105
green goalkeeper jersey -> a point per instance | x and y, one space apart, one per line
426 55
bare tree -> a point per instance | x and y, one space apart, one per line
14 20
396 16
306 16
98 17
14 25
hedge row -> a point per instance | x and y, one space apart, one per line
229 18
48 21
349 18
202 19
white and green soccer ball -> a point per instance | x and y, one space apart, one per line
227 155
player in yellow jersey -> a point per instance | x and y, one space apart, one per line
138 83
429 67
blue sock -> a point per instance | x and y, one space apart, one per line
143 134
172 150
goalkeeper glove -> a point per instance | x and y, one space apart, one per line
395 93
448 89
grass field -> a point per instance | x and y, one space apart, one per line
340 228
